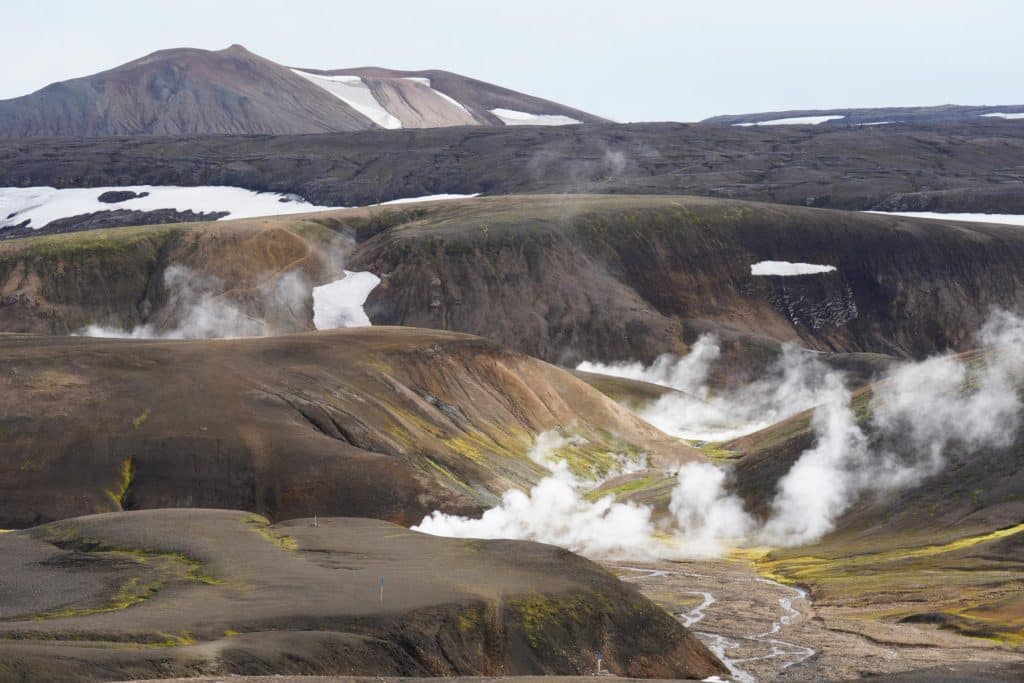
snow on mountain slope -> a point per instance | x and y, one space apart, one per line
42 205
186 91
355 93
39 206
1006 115
792 121
511 117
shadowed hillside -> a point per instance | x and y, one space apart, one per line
176 592
561 278
382 422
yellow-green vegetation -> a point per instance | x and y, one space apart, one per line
596 455
716 451
140 419
627 487
955 584
538 613
446 473
156 569
261 525
91 241
124 484
469 620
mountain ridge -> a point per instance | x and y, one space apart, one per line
191 91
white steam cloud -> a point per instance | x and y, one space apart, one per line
201 313
917 415
796 382
555 511
203 310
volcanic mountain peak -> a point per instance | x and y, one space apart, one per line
186 91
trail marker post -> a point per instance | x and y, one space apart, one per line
599 658
382 589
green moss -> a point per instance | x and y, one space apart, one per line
120 494
627 487
161 568
261 525
140 419
469 620
536 612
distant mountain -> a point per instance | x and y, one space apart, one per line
873 117
188 91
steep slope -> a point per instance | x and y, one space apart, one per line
625 278
188 91
925 167
180 92
948 113
175 592
947 551
564 278
410 95
375 422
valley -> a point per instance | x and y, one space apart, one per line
390 373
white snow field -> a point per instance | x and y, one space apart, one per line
511 117
1007 115
42 205
429 198
794 121
787 269
447 98
340 303
1003 218
355 93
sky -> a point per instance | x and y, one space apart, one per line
631 60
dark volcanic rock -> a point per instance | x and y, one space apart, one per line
173 592
117 196
946 167
117 218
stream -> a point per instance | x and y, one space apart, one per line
722 645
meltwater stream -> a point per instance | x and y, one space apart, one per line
720 644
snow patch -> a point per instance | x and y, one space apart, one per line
43 205
786 269
511 117
340 303
430 198
1007 115
354 92
1003 218
448 98
794 121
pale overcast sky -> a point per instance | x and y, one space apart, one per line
632 60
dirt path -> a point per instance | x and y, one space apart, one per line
766 631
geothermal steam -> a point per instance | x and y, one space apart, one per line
919 413
794 383
203 310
